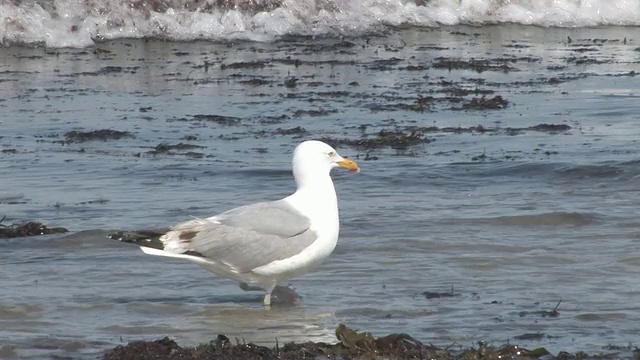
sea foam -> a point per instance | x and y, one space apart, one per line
74 23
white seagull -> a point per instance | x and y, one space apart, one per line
267 242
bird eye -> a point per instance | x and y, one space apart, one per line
331 154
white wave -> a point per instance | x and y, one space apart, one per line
79 23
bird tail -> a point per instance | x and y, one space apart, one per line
150 243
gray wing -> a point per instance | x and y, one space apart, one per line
244 238
276 217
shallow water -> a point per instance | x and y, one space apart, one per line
511 221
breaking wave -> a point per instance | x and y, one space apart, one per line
73 23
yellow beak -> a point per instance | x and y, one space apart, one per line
349 165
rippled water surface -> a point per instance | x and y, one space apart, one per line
508 217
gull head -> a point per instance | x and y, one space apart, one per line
315 158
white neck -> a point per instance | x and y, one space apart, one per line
316 198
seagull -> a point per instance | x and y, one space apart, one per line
261 244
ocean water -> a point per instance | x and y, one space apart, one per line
512 210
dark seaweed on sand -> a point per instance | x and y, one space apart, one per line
352 345
394 139
487 103
30 228
103 134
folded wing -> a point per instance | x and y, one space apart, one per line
244 238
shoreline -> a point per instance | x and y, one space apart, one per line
350 344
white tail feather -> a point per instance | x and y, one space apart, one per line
158 252
207 264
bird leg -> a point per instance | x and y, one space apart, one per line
267 297
247 287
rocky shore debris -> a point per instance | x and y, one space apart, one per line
404 137
258 64
543 313
487 103
551 128
437 294
395 139
30 228
218 119
75 136
352 344
477 65
169 149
